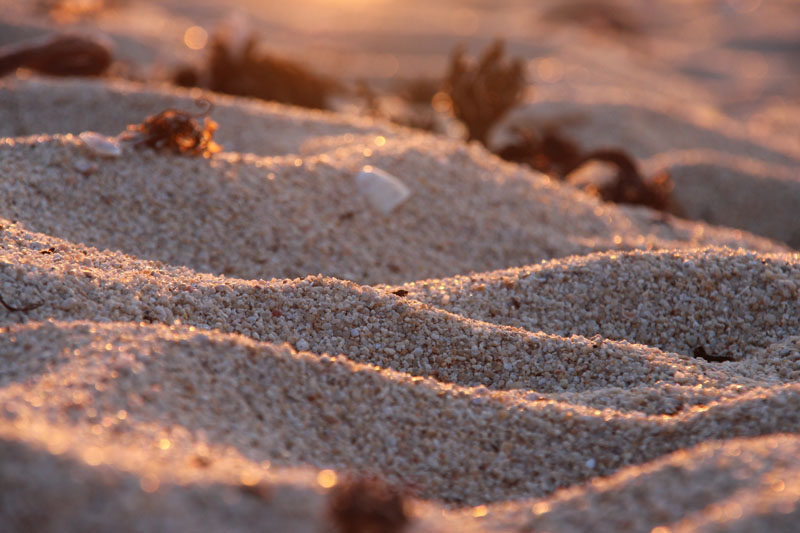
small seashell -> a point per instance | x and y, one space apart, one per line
84 166
101 145
384 191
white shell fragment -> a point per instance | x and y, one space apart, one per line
99 144
384 191
84 166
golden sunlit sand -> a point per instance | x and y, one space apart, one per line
340 323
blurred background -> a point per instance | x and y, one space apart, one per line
741 56
707 90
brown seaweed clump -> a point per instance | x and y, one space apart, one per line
246 71
548 152
59 55
482 92
366 505
558 156
629 186
176 131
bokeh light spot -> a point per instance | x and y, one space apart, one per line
326 479
195 38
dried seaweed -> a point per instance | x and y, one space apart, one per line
367 505
186 76
477 93
629 187
60 55
549 152
249 72
557 155
482 92
176 131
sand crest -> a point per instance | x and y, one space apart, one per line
300 213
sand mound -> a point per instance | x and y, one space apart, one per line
83 495
287 216
463 346
748 193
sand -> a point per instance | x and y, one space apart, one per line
473 390
232 215
192 344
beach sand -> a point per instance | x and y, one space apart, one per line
192 344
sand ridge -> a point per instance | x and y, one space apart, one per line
326 315
232 215
271 403
729 303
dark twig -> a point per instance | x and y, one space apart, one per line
701 352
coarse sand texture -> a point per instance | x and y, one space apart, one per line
211 344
